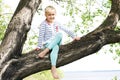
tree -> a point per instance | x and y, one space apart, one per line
14 65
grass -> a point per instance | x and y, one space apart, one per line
44 75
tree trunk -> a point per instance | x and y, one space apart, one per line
16 66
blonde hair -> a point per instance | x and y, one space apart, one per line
49 8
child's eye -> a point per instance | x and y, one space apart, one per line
51 14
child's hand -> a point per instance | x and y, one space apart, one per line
37 49
76 38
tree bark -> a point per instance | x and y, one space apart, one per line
16 66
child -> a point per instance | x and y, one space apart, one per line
50 38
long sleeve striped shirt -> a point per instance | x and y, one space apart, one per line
47 32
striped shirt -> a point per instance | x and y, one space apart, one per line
47 32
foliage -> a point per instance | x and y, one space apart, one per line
115 78
4 19
87 15
115 49
31 41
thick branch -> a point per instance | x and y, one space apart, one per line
29 64
18 27
112 18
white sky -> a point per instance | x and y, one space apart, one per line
100 61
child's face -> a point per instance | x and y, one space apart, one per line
50 15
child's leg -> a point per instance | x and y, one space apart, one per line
55 41
54 55
53 58
54 72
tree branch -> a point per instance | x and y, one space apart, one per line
16 33
29 64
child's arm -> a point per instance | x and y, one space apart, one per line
70 33
41 37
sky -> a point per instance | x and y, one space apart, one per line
93 62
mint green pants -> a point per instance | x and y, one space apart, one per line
54 47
